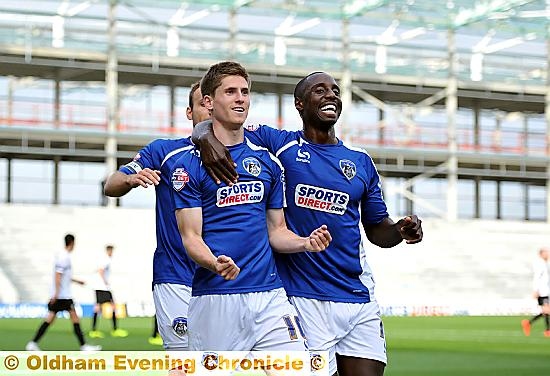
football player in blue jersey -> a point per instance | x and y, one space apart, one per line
172 268
328 182
238 298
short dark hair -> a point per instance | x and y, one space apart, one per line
194 88
300 87
109 247
69 239
217 72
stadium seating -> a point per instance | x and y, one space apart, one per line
463 263
31 235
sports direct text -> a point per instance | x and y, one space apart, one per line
211 363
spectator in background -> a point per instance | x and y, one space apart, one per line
104 295
541 291
61 298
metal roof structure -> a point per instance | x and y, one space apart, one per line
500 44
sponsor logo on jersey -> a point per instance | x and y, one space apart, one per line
303 156
322 199
252 166
348 168
179 325
180 177
240 193
210 360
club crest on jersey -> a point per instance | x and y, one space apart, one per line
252 166
246 192
180 177
348 168
209 360
137 157
179 325
322 199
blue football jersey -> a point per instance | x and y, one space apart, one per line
234 217
332 185
170 262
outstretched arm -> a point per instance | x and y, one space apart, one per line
190 227
118 183
214 155
283 240
387 233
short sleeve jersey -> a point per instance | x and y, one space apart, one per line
333 185
234 217
170 262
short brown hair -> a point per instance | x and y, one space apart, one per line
217 72
194 88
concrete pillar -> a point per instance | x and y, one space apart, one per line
172 108
111 78
233 30
345 82
280 120
499 200
451 104
476 113
56 161
9 176
57 100
477 198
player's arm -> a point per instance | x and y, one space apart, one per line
101 272
283 240
387 233
58 276
118 183
190 227
214 155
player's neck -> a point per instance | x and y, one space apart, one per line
228 135
320 136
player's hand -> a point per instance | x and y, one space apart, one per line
410 229
53 299
318 240
226 267
536 295
217 161
144 178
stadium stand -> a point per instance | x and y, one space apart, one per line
30 238
459 264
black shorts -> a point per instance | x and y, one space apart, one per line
543 300
61 305
103 296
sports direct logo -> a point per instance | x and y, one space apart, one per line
322 199
241 193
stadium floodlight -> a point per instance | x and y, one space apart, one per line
476 67
286 29
380 59
279 51
58 31
172 42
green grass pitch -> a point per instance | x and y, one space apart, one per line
417 346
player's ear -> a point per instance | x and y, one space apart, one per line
189 113
207 99
299 104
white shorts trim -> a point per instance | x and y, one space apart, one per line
171 307
350 329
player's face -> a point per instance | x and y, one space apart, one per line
230 103
322 103
199 112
